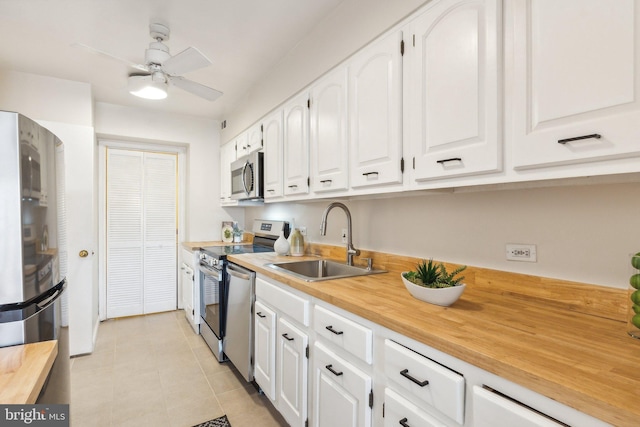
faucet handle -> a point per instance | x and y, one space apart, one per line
369 263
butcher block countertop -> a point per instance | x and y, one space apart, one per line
564 340
23 370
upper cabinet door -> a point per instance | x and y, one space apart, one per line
227 156
375 113
253 140
576 68
328 138
273 157
453 89
296 146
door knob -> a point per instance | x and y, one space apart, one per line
83 254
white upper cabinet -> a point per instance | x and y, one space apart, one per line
453 63
250 141
296 146
375 113
227 155
576 70
273 157
329 143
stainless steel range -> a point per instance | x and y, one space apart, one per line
220 284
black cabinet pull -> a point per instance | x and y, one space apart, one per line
453 159
578 138
293 186
325 180
404 423
405 373
333 371
261 315
370 173
271 190
330 329
286 337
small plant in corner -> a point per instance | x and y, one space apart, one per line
432 275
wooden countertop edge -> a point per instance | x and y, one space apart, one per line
24 369
591 396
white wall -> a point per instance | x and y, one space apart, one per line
349 27
583 233
201 137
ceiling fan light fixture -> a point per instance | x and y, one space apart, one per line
147 87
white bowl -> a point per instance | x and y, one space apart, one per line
439 296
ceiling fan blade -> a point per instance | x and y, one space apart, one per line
188 60
196 88
108 55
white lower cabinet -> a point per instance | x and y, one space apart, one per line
265 349
399 411
293 365
342 393
491 409
440 388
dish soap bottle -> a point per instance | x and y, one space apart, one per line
297 243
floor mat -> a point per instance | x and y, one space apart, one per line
218 422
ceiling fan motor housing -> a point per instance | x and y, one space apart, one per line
157 53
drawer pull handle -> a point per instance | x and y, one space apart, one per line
333 371
325 180
370 173
404 423
261 315
293 186
286 337
578 138
405 373
271 190
453 159
330 329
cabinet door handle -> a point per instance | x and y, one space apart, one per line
405 373
330 329
325 180
261 315
403 422
370 173
452 159
271 190
286 337
333 371
578 138
293 186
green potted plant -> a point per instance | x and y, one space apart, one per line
431 282
237 233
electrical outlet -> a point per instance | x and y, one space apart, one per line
522 252
303 230
344 235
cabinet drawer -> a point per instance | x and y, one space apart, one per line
295 307
345 333
399 411
425 379
492 410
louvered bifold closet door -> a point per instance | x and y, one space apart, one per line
124 233
141 232
160 252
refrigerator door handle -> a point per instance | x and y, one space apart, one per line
43 304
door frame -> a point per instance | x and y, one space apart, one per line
137 145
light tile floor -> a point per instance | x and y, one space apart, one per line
155 371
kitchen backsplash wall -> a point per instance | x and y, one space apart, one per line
583 233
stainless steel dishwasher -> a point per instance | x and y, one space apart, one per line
238 344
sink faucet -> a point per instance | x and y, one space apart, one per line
351 251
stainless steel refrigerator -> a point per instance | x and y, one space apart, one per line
31 285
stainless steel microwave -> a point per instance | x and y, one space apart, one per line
247 177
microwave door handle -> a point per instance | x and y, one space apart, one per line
244 177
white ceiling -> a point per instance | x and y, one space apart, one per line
243 38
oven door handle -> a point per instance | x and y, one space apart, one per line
208 270
237 274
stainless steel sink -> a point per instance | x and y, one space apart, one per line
321 269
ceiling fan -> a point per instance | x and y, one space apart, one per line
161 69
